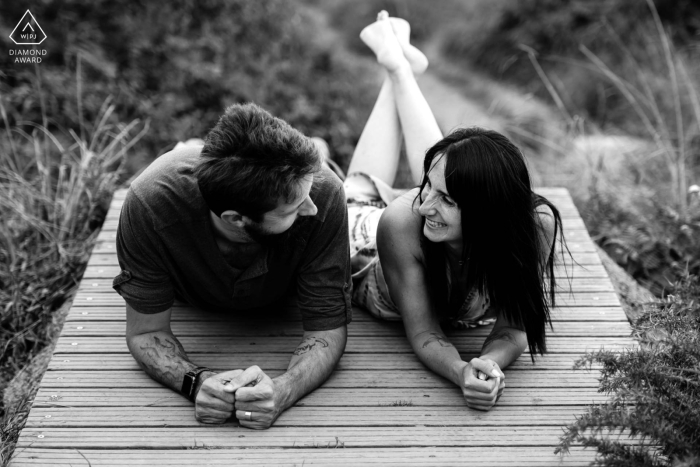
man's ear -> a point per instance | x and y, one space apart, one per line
233 218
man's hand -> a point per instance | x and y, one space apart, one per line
215 403
482 383
258 399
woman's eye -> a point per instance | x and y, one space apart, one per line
448 201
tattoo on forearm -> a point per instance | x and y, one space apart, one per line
161 358
500 335
440 339
309 344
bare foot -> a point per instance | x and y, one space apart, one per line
380 37
418 60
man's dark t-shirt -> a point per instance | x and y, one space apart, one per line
167 250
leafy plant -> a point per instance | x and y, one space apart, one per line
655 389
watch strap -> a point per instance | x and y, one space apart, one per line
189 382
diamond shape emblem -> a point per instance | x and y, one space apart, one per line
28 31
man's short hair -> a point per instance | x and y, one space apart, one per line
251 160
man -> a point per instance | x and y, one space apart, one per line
228 227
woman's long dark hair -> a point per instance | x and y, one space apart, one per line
487 177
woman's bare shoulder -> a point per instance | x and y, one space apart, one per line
402 213
400 223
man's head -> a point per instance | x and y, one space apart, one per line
257 170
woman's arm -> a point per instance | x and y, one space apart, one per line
504 344
400 256
398 241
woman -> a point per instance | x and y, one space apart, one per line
472 245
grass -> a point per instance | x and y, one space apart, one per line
634 197
55 189
398 403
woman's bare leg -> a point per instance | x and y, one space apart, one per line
377 151
420 129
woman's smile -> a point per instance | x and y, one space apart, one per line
434 224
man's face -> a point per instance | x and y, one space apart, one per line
277 222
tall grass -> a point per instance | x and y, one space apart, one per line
636 205
55 189
671 136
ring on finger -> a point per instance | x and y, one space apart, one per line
248 416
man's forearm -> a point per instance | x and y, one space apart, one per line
312 363
504 345
161 356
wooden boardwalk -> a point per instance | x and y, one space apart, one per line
96 407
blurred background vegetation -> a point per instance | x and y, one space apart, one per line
179 64
123 81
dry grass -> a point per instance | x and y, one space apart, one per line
633 192
54 192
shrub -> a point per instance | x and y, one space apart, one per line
643 235
655 389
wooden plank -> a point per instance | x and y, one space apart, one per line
339 379
233 436
275 361
576 242
564 286
186 313
358 328
323 455
85 299
286 344
108 272
109 258
53 417
322 397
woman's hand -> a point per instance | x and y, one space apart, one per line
482 383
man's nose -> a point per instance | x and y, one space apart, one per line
308 208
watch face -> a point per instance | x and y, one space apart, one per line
188 384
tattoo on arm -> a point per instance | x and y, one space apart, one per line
162 357
440 339
309 344
500 335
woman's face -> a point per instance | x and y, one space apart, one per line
443 219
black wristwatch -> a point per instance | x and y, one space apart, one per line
189 382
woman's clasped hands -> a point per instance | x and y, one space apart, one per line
482 383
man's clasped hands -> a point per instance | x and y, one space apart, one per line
240 393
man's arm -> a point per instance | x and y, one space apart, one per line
156 349
312 363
